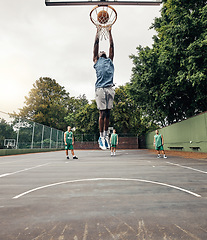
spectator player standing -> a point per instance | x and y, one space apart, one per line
69 142
114 142
158 143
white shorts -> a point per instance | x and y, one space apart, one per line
104 98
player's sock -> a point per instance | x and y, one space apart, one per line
111 154
105 134
114 153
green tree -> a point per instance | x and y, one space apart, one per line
87 119
169 80
125 116
74 107
47 103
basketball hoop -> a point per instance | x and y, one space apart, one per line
103 17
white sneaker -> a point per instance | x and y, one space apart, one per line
101 142
165 156
107 142
158 156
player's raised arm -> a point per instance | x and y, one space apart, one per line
96 48
111 47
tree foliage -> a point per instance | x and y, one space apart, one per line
48 103
169 80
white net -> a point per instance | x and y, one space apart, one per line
103 17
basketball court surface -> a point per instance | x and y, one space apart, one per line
128 197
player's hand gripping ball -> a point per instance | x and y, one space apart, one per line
103 16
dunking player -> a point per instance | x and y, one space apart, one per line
103 87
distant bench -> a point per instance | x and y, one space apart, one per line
180 148
195 148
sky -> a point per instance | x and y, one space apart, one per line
57 42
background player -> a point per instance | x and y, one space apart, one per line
114 142
69 142
103 87
158 143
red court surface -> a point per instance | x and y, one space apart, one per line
131 196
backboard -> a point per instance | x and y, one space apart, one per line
9 143
101 2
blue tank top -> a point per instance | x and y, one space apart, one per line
105 72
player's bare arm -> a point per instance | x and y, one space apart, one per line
65 138
162 140
96 48
111 47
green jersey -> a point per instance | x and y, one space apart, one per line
114 139
69 137
158 140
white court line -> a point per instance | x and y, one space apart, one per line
194 169
106 179
24 170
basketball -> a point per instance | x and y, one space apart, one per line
103 16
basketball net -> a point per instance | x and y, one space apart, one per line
104 26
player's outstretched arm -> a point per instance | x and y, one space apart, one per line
96 48
111 47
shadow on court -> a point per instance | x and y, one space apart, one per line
131 196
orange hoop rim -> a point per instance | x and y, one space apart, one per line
105 25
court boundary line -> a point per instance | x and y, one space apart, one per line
181 166
23 170
106 179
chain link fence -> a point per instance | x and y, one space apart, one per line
19 133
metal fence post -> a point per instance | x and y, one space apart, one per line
17 142
50 137
57 140
33 135
42 136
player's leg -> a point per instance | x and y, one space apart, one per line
101 122
72 152
101 139
158 152
106 126
163 153
112 149
66 151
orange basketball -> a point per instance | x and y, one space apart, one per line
103 16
